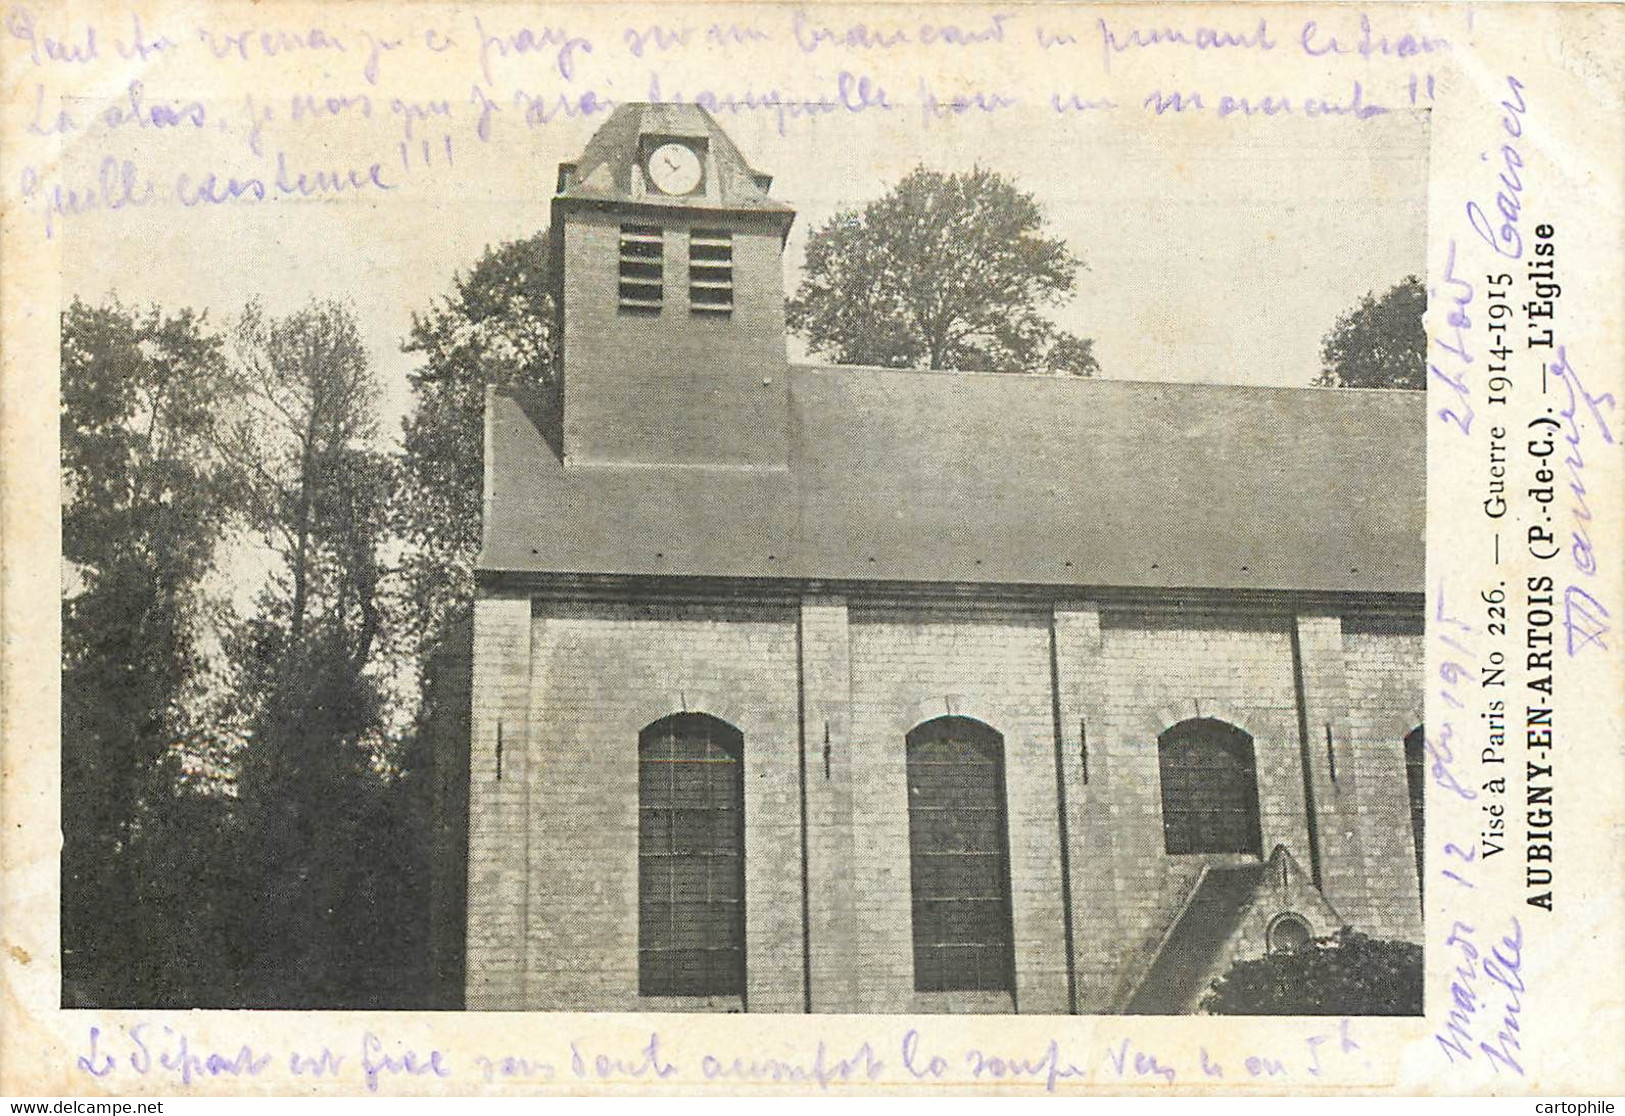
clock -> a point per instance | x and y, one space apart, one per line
674 168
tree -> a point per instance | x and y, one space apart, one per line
496 328
145 502
190 893
1380 343
257 838
308 663
1345 974
945 271
301 441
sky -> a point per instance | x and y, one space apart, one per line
1224 258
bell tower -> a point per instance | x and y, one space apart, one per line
669 253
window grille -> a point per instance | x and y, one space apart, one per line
710 271
959 857
691 858
1415 781
642 274
1209 789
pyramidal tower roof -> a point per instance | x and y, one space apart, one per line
611 167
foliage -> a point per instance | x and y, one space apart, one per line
257 838
1345 974
496 329
1381 343
316 490
945 271
143 496
307 663
193 895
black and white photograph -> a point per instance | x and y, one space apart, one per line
694 561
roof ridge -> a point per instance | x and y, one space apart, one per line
607 168
809 366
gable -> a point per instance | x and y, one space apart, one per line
1226 919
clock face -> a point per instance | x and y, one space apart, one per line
674 169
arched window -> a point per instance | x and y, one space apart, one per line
1289 933
1209 788
1415 780
691 858
959 857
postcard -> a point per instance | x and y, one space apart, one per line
810 548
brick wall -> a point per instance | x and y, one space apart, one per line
1383 669
677 387
838 948
825 690
910 665
1150 673
601 673
498 832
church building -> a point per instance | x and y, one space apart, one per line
846 689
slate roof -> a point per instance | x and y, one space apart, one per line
899 476
605 172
